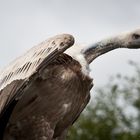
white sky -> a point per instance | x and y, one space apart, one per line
24 23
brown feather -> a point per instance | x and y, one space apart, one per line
25 69
59 94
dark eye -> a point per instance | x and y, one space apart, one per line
135 36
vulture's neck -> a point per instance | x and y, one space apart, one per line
130 40
102 47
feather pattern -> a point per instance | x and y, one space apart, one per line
26 65
18 74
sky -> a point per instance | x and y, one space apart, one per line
25 23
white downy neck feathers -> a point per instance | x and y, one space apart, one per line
75 53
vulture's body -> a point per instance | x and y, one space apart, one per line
44 91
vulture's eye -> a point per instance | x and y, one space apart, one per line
135 36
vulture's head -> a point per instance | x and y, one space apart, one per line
133 40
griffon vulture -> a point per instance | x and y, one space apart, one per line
43 92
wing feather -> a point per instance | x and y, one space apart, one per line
16 77
26 65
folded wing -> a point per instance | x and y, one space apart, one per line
15 78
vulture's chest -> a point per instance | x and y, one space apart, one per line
59 94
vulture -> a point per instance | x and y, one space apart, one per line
43 92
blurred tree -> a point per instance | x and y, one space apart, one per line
114 113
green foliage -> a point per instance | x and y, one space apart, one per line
114 113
